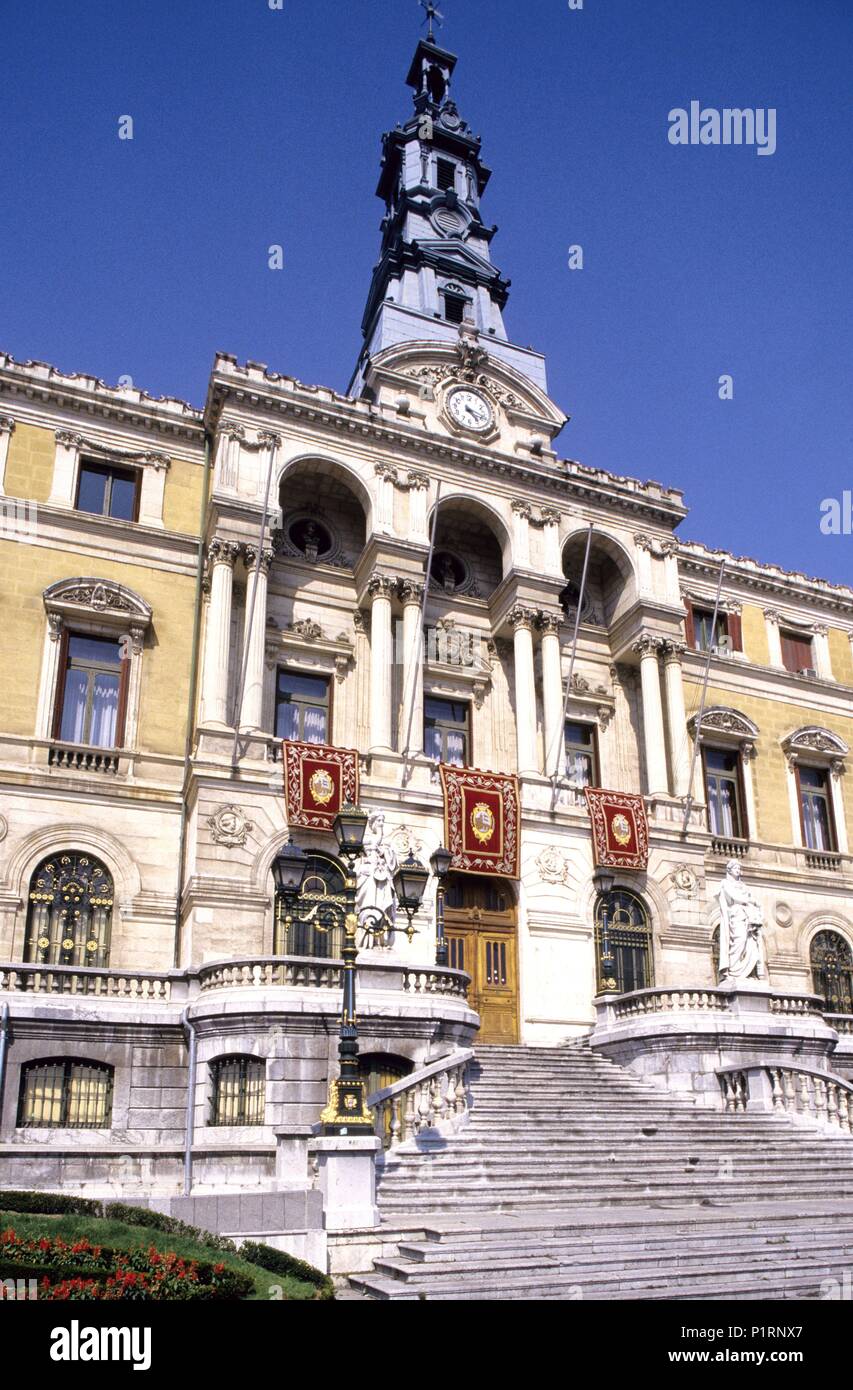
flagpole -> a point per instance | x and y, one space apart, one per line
688 801
247 637
412 671
560 732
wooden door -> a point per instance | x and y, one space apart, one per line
480 926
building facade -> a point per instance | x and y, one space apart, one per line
183 588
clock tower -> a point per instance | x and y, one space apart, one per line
435 282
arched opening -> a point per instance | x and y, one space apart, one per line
69 914
480 923
629 935
323 935
831 961
471 555
609 582
324 519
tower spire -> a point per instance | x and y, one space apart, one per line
433 16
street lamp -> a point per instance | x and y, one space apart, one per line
604 881
440 861
346 1111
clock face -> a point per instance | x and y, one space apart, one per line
470 410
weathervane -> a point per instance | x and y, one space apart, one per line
433 16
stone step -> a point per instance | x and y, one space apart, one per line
568 1249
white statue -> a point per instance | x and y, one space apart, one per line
741 920
375 869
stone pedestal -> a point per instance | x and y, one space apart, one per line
347 1179
291 1154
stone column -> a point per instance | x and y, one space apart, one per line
774 640
7 425
820 649
380 588
386 477
836 792
217 637
68 447
653 730
418 484
522 620
254 639
231 436
552 693
676 716
412 732
551 541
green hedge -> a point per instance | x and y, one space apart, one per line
49 1204
169 1225
279 1262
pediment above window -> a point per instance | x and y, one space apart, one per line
103 601
813 744
723 723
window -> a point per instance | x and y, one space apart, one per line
239 1091
454 308
707 634
93 677
630 940
302 707
467 892
724 793
581 761
323 937
445 174
797 653
63 1094
832 971
70 912
446 731
107 491
816 808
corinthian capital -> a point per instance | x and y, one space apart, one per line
381 586
222 552
673 651
647 645
410 591
549 623
250 555
521 617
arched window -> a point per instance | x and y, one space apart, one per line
831 960
630 936
65 1094
70 911
323 883
238 1092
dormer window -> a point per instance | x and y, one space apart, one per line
105 490
445 175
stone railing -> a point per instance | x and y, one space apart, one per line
434 1099
823 859
642 1002
436 979
137 985
796 1005
76 757
842 1023
805 1093
266 972
728 848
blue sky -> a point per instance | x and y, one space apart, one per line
254 126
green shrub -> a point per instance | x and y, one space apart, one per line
48 1204
279 1262
170 1225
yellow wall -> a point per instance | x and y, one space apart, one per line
841 656
775 719
182 501
29 466
755 635
25 571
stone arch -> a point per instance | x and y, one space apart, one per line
611 577
319 484
458 513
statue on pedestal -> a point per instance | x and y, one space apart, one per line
375 869
741 922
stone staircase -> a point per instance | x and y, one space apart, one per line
574 1179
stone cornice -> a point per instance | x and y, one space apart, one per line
41 382
763 580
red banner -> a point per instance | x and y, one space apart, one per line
318 781
481 821
620 831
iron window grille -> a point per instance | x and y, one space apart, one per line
65 1094
239 1091
630 937
69 916
323 884
831 960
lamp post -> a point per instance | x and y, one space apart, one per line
604 881
440 861
345 1111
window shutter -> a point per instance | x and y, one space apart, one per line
735 632
689 626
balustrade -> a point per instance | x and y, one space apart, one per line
435 1098
817 1097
